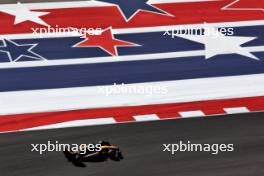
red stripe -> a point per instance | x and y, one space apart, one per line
125 114
184 13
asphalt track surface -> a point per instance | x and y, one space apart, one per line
141 144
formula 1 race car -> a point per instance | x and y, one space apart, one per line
106 152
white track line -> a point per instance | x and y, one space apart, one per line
236 110
191 114
148 117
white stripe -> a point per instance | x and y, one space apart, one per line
75 123
192 113
136 30
236 110
188 26
148 117
77 4
103 59
180 54
56 5
93 97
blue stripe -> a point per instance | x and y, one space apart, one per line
127 72
155 42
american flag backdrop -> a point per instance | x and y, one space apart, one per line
53 80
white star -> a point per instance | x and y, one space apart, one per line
216 43
22 14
